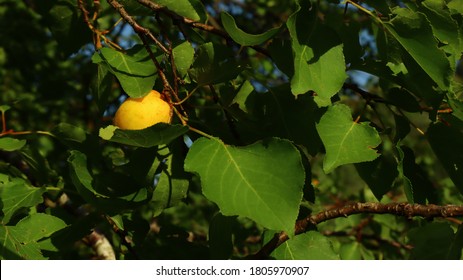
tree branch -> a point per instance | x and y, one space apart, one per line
398 209
209 28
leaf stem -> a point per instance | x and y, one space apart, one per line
366 11
201 133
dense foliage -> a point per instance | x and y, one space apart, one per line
301 129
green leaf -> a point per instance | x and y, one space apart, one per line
318 64
183 57
431 242
88 188
69 133
422 188
38 226
192 9
135 73
351 251
68 26
446 144
311 245
346 141
242 95
157 134
17 194
241 37
413 31
456 248
278 113
101 86
403 179
172 186
445 28
379 174
10 144
20 241
220 237
214 64
262 181
4 108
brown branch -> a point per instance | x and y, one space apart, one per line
187 21
398 209
144 33
140 30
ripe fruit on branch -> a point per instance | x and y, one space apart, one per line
140 113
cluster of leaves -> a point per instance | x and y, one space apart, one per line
282 110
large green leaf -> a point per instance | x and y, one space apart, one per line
241 37
135 73
10 144
346 141
413 31
20 241
447 145
157 134
311 245
318 64
16 194
262 181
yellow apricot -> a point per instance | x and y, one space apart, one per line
140 113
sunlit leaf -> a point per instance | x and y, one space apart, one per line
241 37
157 134
413 31
11 144
346 141
183 57
445 27
319 65
311 245
136 75
192 9
20 241
17 194
262 181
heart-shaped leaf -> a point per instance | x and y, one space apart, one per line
346 141
262 181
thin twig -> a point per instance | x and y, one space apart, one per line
136 27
